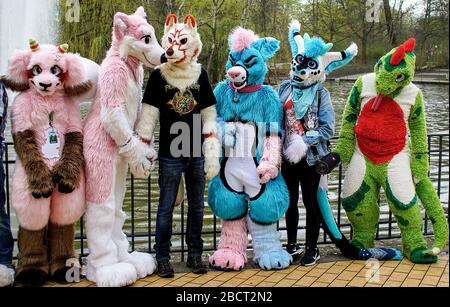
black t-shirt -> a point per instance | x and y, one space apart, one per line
180 114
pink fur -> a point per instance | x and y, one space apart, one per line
99 147
18 66
232 251
31 111
241 39
271 160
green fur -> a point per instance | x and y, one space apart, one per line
350 203
419 255
397 203
387 75
419 141
432 205
347 140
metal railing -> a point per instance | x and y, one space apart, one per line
142 198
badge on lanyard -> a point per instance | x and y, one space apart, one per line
50 150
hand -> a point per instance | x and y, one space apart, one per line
211 150
227 133
140 157
311 140
41 183
267 172
65 178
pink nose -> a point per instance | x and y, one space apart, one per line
234 73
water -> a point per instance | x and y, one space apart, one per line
21 20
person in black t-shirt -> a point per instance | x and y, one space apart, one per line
180 97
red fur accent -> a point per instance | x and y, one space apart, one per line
190 19
381 134
410 45
170 17
398 55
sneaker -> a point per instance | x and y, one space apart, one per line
295 250
196 264
312 257
165 269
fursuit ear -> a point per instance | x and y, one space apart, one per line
295 39
171 20
268 47
121 24
191 22
75 80
335 60
17 76
141 12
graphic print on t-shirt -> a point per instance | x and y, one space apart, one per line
183 103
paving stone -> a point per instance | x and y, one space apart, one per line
306 281
346 275
411 283
339 283
357 282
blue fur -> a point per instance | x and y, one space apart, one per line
339 64
218 195
264 49
260 107
269 253
327 214
277 195
315 47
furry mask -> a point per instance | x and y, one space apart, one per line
312 59
137 38
248 56
181 40
47 69
396 69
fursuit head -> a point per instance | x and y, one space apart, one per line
312 59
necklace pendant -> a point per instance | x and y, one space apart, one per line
236 98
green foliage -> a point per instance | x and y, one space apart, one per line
340 22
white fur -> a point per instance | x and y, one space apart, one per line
295 25
181 76
6 276
109 263
144 263
139 157
436 251
211 146
148 122
116 275
116 123
355 174
296 149
353 49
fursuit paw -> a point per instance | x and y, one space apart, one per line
140 157
274 260
32 278
212 167
144 264
6 276
65 178
267 172
423 255
296 149
41 183
116 275
228 260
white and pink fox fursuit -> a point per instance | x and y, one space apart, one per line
111 146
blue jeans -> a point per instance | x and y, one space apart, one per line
170 172
6 239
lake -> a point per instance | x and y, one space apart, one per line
144 204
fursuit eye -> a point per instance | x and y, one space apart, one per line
147 39
380 67
36 70
183 41
312 64
56 70
170 40
299 58
400 78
